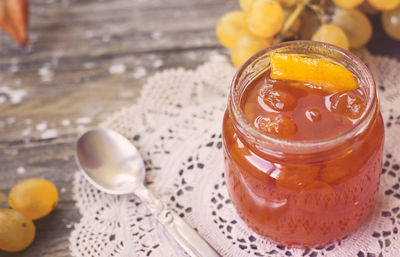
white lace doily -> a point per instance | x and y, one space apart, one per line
176 125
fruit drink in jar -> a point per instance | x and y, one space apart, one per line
303 141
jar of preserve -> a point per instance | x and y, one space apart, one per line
302 159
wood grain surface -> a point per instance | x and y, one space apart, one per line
86 60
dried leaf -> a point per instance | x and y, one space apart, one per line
14 15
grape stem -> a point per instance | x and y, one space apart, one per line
290 20
318 11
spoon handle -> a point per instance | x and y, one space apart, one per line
184 235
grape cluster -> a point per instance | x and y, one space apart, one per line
343 23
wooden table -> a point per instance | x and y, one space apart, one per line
87 60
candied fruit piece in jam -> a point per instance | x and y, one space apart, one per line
313 114
278 125
333 174
350 104
239 153
279 99
250 162
295 178
317 196
250 110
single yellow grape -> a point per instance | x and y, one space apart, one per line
247 47
391 23
16 231
348 4
231 27
384 5
246 4
265 18
35 198
332 34
355 24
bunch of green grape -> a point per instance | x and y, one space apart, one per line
343 23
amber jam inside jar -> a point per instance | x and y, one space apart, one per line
302 165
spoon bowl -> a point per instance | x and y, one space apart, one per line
109 161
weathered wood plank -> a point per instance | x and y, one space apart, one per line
65 76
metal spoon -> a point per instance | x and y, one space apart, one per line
112 164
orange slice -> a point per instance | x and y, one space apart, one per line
319 73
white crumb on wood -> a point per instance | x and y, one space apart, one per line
50 133
117 68
157 63
21 170
139 72
41 126
14 96
46 74
83 120
65 123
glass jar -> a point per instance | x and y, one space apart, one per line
303 193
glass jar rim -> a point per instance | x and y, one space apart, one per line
307 146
